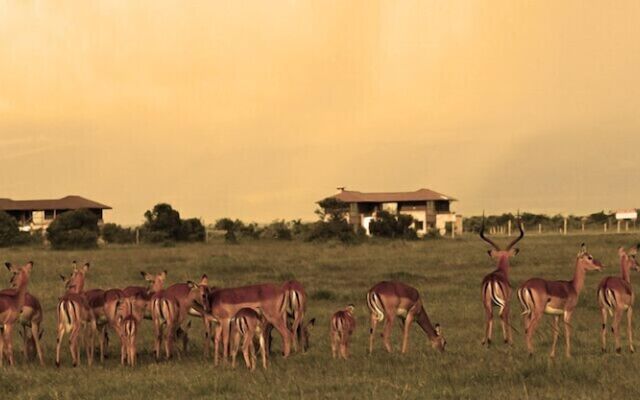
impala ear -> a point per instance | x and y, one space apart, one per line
146 276
163 274
351 308
621 251
438 330
74 264
85 267
63 278
514 252
204 280
583 249
8 265
311 322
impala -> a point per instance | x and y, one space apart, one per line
269 299
31 317
342 326
386 300
193 300
496 289
558 298
129 312
164 313
75 317
248 325
296 308
615 296
11 304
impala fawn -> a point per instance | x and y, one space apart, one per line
342 326
247 325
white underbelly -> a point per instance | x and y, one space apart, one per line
553 311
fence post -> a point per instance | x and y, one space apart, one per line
618 226
540 228
626 225
137 236
565 227
605 227
453 230
509 228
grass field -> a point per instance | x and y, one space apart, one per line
447 273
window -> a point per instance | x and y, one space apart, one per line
418 225
48 214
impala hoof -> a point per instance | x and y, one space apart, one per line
57 364
604 350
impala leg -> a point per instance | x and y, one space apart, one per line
372 331
556 321
170 334
531 329
281 327
73 345
157 331
506 327
263 349
207 336
386 333
617 316
225 341
59 337
216 342
235 345
1 347
101 332
405 334
333 335
35 332
8 341
603 331
629 329
247 341
488 311
567 332
25 340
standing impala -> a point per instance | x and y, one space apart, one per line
31 317
296 308
11 304
342 326
269 299
193 300
558 298
496 289
615 295
76 317
248 325
386 300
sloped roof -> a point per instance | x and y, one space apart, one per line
352 196
65 203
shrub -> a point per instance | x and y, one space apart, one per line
9 230
114 233
388 225
76 229
278 230
163 224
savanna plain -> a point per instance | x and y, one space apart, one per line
447 272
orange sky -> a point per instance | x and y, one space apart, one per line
256 109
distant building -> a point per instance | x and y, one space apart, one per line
429 209
38 214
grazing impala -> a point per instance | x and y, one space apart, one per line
11 304
615 296
296 307
76 317
342 326
558 298
248 325
31 317
269 299
496 289
386 300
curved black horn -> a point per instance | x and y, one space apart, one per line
486 239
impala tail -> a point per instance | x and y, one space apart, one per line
375 305
608 299
526 300
66 315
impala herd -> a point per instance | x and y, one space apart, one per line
241 317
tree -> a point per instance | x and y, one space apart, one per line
388 225
163 222
114 233
9 230
76 229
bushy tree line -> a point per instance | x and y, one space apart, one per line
532 221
